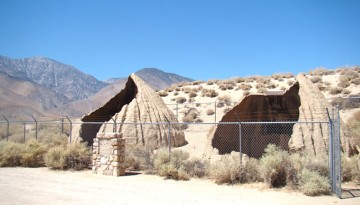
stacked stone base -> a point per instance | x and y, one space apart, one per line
109 154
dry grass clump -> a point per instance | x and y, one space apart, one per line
335 90
281 76
72 156
190 115
350 168
209 93
163 93
244 86
212 82
227 84
344 81
262 90
198 82
316 79
271 85
180 100
313 184
355 81
321 71
139 157
226 99
239 80
228 170
210 111
171 168
192 93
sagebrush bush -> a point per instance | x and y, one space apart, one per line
350 168
195 167
190 115
245 86
316 79
72 156
313 184
11 153
209 93
335 90
139 157
33 154
226 170
226 99
273 165
180 100
210 111
171 168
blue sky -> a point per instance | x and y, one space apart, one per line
200 39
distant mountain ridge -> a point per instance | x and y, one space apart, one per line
63 79
40 85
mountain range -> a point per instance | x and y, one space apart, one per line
42 86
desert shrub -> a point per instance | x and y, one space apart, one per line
198 82
171 168
344 81
180 100
11 153
72 156
290 82
273 166
220 104
212 82
209 93
321 71
51 139
163 93
226 99
355 81
245 86
335 90
317 164
352 74
190 115
246 93
345 91
210 111
226 170
176 93
192 94
199 120
350 168
250 172
283 88
139 157
239 80
262 90
196 167
33 154
313 184
271 85
316 79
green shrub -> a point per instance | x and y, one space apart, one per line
313 184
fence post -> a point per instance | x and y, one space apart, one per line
215 110
24 131
62 125
114 127
36 127
240 149
70 134
169 140
7 128
331 154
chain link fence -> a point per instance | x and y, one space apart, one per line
202 139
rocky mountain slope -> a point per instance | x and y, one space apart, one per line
62 79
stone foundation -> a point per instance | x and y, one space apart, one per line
109 154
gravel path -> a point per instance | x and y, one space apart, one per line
43 186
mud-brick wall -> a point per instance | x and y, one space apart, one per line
109 154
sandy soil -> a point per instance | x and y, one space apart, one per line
43 186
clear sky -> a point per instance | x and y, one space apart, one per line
200 39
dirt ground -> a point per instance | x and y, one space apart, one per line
44 186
